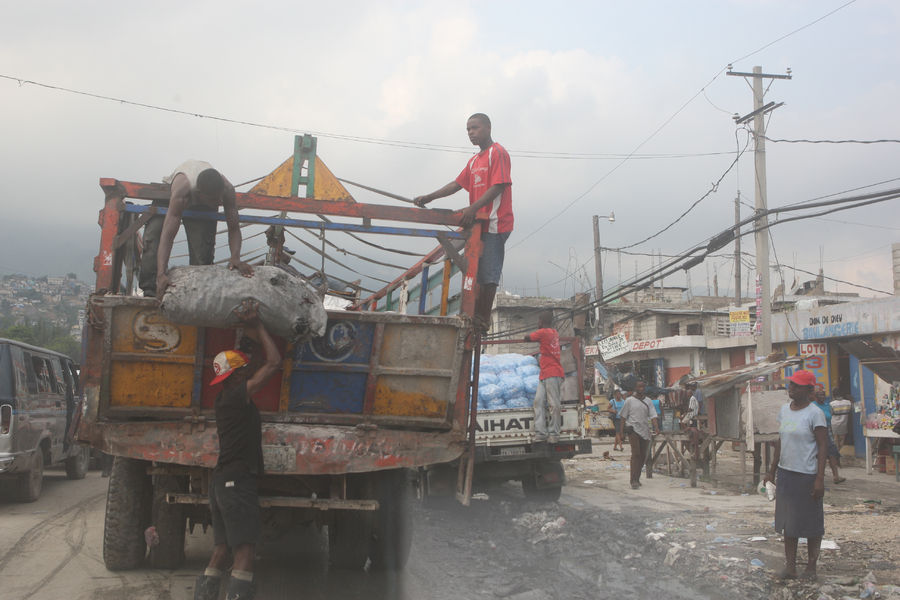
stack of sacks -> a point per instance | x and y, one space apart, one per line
507 381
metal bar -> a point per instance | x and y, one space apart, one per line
445 286
338 208
104 262
470 276
192 214
133 228
423 290
372 379
289 501
377 191
451 252
464 495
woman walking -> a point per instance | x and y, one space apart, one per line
800 456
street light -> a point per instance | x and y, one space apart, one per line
598 271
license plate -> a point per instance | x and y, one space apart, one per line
516 450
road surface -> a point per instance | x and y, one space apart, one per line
503 546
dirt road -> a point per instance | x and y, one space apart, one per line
593 544
501 547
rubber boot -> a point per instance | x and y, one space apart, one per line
207 588
239 589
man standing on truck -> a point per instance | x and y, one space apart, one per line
635 419
550 383
487 179
196 186
233 497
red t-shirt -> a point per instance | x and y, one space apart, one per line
490 167
550 365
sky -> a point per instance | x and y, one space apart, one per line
605 107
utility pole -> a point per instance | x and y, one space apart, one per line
764 339
598 267
737 250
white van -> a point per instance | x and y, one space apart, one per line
39 396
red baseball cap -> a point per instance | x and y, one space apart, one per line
803 378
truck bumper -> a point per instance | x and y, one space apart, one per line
528 451
288 449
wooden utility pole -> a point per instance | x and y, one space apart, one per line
764 335
737 250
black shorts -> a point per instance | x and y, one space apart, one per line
234 504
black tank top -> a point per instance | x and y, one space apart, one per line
240 431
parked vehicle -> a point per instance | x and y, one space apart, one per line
505 449
38 402
345 422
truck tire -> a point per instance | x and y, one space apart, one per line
392 532
170 523
32 481
128 502
552 477
77 464
349 535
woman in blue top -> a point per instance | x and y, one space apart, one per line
800 482
616 404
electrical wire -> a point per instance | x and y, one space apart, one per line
714 188
353 138
885 141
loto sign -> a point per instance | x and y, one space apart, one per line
813 349
613 346
591 350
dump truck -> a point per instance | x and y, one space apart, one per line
346 422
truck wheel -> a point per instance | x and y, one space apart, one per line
551 476
77 464
32 481
536 494
170 523
392 535
128 503
349 534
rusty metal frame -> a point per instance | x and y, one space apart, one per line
284 501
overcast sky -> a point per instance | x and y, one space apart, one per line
561 80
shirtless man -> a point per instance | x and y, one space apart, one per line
195 186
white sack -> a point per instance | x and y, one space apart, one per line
206 296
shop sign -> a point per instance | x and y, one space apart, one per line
613 346
739 316
807 348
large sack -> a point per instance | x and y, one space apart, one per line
206 296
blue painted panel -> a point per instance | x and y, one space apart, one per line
868 402
211 216
345 341
327 392
329 373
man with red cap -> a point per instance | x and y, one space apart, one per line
233 497
799 459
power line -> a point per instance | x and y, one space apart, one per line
885 141
361 139
858 285
714 188
798 30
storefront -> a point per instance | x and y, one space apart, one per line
854 351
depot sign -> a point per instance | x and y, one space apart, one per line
675 341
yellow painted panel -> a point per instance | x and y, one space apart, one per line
142 329
411 396
327 185
151 384
278 183
166 377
